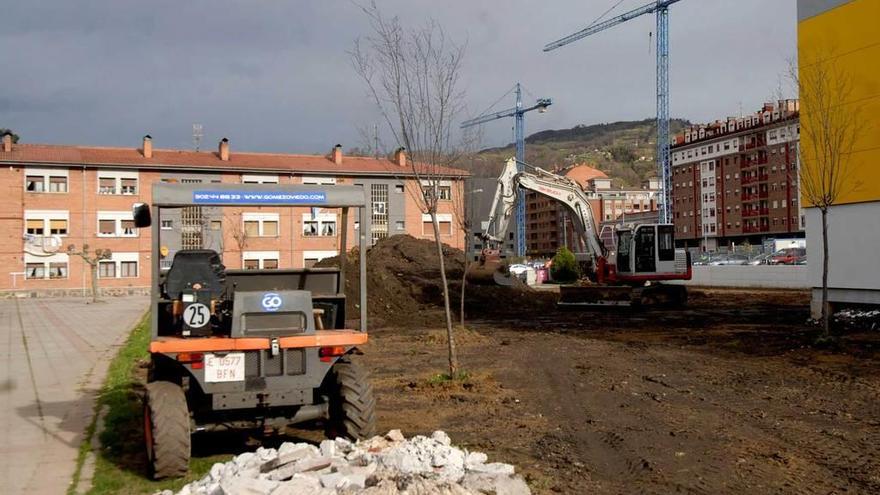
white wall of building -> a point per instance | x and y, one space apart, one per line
853 243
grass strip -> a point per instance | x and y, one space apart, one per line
120 464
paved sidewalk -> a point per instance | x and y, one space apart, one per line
55 354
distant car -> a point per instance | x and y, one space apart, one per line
787 256
762 259
730 259
704 259
518 269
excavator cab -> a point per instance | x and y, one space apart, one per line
647 252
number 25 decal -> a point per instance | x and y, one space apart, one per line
196 315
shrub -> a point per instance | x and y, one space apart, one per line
565 267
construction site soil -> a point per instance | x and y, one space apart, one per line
404 285
728 395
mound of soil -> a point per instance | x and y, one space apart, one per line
404 288
403 280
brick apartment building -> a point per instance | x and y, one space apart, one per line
736 181
55 196
549 225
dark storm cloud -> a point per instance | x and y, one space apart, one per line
275 76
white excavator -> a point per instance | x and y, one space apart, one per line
629 273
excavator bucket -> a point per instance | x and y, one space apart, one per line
489 271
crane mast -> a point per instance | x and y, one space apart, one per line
664 163
518 113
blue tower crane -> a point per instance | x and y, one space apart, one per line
517 112
661 8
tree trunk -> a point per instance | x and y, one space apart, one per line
464 277
825 316
463 284
450 338
93 268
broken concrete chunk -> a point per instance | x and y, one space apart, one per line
382 465
300 485
247 486
313 464
328 448
289 455
395 436
475 459
352 481
344 445
330 480
441 437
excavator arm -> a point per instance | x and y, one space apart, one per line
556 187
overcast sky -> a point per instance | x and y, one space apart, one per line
276 76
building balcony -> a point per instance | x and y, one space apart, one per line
748 163
756 212
755 229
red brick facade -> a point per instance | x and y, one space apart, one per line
736 181
55 196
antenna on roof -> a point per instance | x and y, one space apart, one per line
197 135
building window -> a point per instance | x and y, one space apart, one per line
46 223
35 270
128 186
400 225
216 224
128 269
117 182
106 269
259 179
398 188
116 224
444 221
120 265
260 260
260 224
320 224
167 224
107 227
319 181
35 227
41 180
35 184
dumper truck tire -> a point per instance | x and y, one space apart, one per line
166 430
351 402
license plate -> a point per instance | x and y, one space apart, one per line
224 368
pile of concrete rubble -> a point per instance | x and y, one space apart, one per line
378 466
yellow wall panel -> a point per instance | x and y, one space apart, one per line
850 35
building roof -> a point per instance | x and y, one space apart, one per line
92 156
582 174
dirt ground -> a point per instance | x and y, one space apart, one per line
726 396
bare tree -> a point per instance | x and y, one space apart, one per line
234 224
461 215
92 258
413 75
829 129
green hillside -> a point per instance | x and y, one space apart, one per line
623 150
